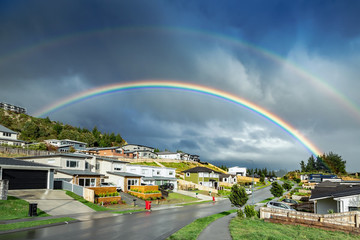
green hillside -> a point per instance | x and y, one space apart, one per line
38 129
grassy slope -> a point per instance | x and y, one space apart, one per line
15 208
258 229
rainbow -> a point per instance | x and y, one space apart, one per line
190 87
65 39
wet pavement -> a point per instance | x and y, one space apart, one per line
144 225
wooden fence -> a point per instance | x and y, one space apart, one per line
347 221
24 151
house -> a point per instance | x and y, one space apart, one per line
336 197
124 179
135 147
169 155
318 178
143 154
26 175
152 175
79 168
228 178
195 158
11 107
9 137
117 152
65 145
202 176
237 171
185 156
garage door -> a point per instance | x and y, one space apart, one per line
25 179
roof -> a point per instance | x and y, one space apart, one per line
110 159
124 174
68 140
166 153
101 148
12 140
158 178
79 172
17 162
60 155
137 145
4 129
334 190
223 175
200 169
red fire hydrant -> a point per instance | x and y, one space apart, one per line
147 205
213 198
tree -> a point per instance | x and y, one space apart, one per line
311 166
262 178
238 196
335 162
302 166
287 186
30 131
276 189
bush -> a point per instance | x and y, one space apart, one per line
276 190
287 186
297 180
240 213
238 196
285 177
250 211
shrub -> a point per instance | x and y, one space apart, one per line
238 196
276 189
250 211
286 177
240 213
287 186
297 180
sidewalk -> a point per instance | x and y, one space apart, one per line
199 196
218 229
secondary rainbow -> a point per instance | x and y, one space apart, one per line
189 87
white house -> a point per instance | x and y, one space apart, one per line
135 147
237 171
9 137
336 197
65 144
228 178
169 155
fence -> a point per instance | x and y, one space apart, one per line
347 221
24 151
87 194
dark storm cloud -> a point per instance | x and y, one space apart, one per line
50 50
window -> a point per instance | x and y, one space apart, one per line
201 174
117 167
6 134
87 182
97 166
206 174
72 164
188 174
132 182
354 209
87 165
171 173
158 172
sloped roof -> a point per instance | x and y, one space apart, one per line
200 169
79 172
17 162
124 174
4 129
333 190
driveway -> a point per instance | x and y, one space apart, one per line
53 202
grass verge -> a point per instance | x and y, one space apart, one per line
258 229
175 198
267 200
87 203
264 186
18 225
193 230
15 208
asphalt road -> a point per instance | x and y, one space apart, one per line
147 225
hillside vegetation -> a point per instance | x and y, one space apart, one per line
38 129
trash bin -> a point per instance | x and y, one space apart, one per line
32 209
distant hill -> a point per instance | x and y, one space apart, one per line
38 129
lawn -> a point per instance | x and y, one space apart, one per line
258 229
193 230
178 198
15 208
267 200
11 226
87 203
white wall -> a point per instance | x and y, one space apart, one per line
236 170
323 205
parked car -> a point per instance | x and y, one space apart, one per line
279 205
248 191
107 184
167 186
289 201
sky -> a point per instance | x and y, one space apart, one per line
297 59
